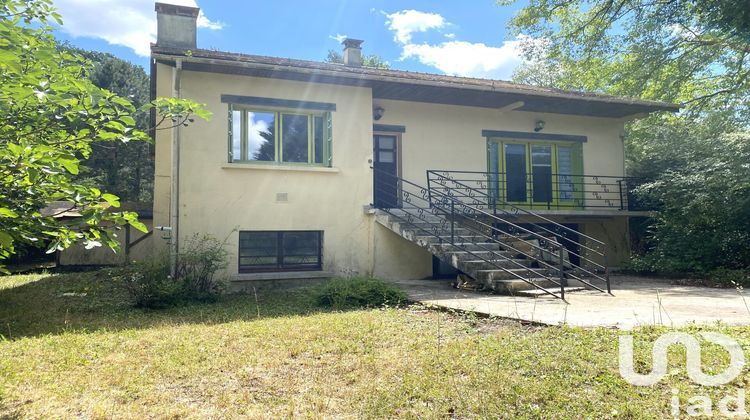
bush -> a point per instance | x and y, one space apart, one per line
642 265
357 292
148 283
702 191
201 258
730 278
150 286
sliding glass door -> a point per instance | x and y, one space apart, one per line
541 174
515 163
535 174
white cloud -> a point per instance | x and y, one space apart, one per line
405 22
204 22
454 57
462 58
338 37
129 23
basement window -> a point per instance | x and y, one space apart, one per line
283 137
264 251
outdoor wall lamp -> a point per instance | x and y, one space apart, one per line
377 112
538 126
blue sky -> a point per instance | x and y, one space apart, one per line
467 38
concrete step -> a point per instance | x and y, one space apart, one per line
471 266
517 287
442 229
488 276
534 292
423 229
425 215
444 225
468 246
457 237
468 256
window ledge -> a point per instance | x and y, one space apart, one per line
272 167
283 275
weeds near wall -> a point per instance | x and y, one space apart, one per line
357 292
197 264
150 285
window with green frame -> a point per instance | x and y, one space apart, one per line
533 172
278 136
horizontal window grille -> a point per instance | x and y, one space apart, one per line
280 251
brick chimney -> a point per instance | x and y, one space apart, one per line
176 26
353 52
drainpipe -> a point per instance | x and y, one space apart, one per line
174 201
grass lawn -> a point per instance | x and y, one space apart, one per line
94 356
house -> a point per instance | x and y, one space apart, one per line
312 169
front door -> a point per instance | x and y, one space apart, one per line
385 168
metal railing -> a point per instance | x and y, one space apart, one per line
551 191
413 204
504 216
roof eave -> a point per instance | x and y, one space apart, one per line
168 54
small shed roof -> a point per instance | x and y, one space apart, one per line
63 209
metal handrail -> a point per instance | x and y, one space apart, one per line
478 203
539 237
513 206
560 226
436 233
614 190
494 229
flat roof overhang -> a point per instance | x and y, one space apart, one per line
417 87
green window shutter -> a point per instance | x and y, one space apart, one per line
329 140
493 170
230 158
578 180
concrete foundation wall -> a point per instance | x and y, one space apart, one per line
613 232
397 258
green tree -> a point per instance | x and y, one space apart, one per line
50 116
693 164
704 218
372 60
124 169
685 51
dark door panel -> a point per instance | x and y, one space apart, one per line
385 176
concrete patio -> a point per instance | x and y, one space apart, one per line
637 301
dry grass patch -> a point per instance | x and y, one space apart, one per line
94 356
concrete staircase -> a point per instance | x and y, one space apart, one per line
490 262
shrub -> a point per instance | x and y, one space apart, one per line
730 278
701 189
150 286
357 292
201 258
148 283
641 264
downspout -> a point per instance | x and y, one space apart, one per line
174 211
628 240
